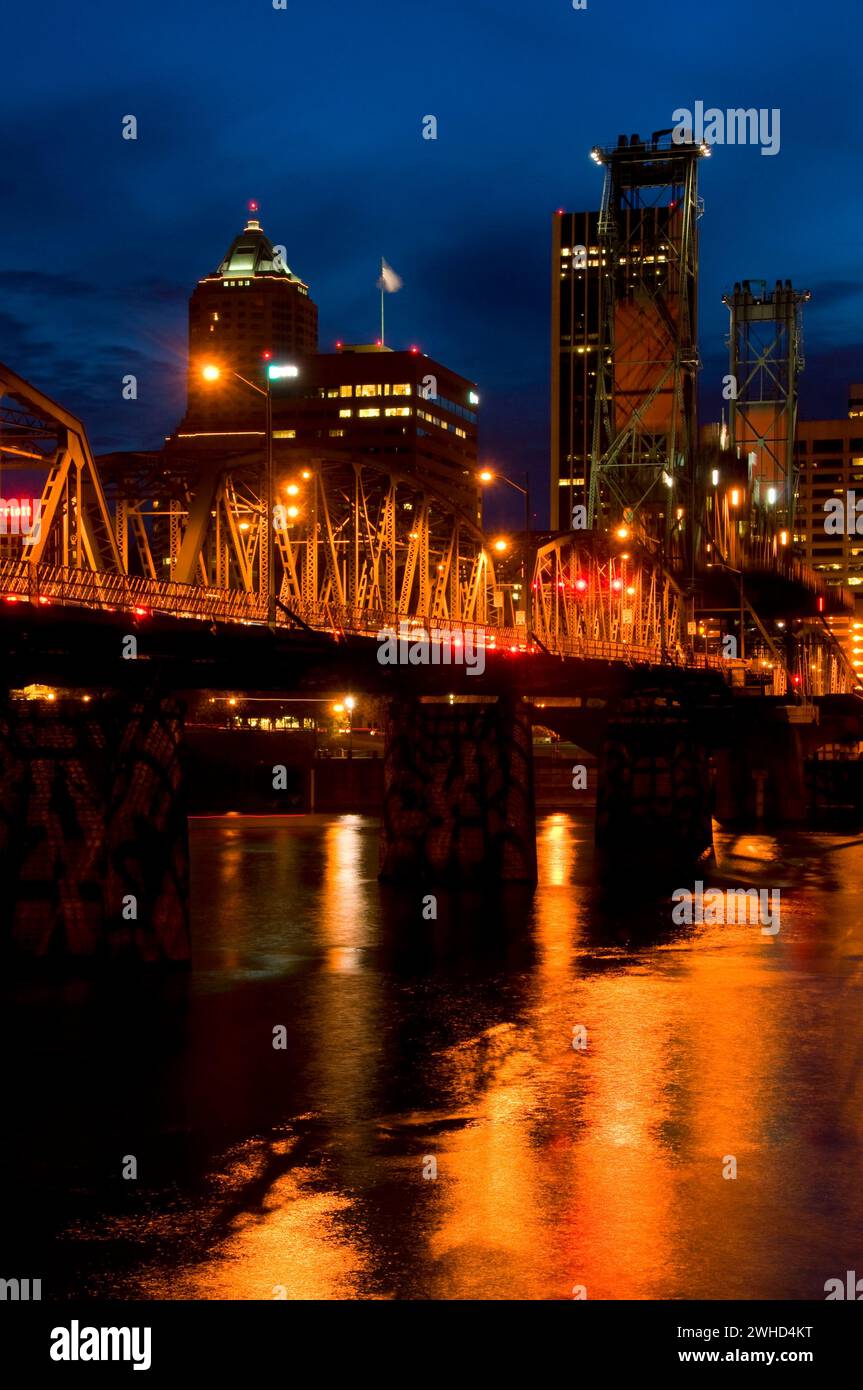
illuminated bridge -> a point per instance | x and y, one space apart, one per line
602 630
357 549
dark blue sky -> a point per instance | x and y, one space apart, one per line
316 111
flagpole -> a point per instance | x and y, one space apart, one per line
382 301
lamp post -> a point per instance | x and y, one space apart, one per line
274 372
487 476
731 570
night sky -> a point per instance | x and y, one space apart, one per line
316 112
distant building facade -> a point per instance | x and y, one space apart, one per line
402 408
575 326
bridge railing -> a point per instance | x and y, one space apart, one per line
108 592
101 589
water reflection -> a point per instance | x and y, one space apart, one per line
299 1171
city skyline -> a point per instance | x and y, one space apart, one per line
431 592
179 192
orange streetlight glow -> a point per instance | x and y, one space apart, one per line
211 372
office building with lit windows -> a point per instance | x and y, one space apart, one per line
251 304
829 464
575 271
367 402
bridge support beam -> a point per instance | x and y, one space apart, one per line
93 831
458 793
653 807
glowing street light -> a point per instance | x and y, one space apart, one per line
500 545
211 372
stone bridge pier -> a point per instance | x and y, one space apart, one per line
93 830
458 792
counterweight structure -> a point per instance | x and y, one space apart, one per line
765 360
644 424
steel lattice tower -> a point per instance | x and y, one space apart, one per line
765 360
644 424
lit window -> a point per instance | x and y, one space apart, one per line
403 390
345 414
368 390
284 434
334 391
337 434
346 390
368 413
397 410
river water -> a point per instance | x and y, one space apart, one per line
428 1129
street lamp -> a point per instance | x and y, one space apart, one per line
275 372
487 476
721 564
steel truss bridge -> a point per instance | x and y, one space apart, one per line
359 548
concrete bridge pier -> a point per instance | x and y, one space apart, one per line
653 806
458 792
93 830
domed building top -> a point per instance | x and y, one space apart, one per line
252 253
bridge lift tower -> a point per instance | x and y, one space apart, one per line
765 360
644 419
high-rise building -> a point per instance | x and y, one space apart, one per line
829 466
829 457
366 402
575 309
252 304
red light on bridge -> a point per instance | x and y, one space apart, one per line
617 585
12 598
581 585
44 602
141 612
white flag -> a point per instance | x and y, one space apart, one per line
388 279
